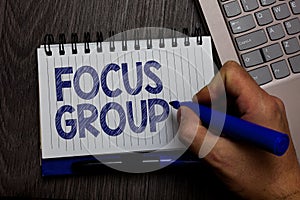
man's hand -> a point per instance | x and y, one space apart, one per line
246 170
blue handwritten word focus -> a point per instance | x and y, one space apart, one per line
82 123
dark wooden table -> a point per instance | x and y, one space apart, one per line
23 25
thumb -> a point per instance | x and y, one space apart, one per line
188 125
193 134
200 140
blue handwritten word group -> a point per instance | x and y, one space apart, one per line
81 123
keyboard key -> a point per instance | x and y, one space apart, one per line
280 69
249 5
291 45
252 58
294 63
261 75
264 17
292 26
242 24
267 2
281 11
232 9
295 6
251 40
276 32
272 52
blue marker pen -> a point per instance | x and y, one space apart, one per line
236 128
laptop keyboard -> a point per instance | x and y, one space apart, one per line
266 36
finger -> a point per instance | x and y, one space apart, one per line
217 151
193 134
238 85
189 124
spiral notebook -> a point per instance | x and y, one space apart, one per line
110 97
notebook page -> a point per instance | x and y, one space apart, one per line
112 102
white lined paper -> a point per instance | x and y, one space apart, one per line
184 70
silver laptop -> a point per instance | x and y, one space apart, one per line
263 36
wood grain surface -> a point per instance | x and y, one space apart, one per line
23 25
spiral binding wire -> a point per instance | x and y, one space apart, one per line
62 42
198 34
161 39
49 40
99 36
74 41
112 41
124 41
174 38
186 37
136 40
87 40
149 39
